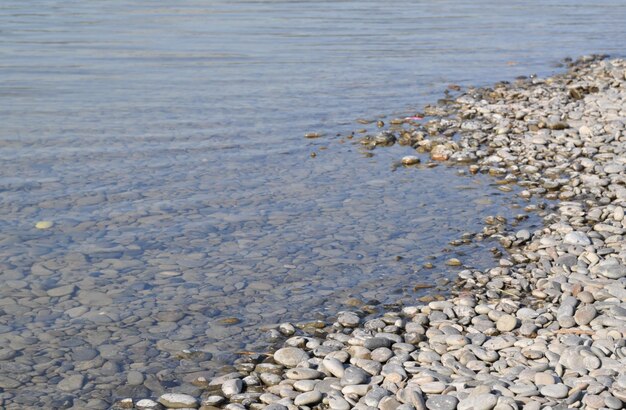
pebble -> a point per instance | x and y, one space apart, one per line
232 387
44 224
576 238
442 402
307 398
348 319
290 356
556 391
506 323
178 401
485 401
146 404
410 160
72 383
584 315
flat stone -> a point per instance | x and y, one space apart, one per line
443 402
290 356
348 319
72 383
146 404
585 314
506 323
577 238
338 403
433 387
354 375
178 401
410 160
555 391
301 373
334 366
9 383
376 342
232 387
61 291
486 401
610 268
311 397
134 378
543 379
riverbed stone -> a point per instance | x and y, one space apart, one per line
290 356
178 401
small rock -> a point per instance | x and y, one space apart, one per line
72 383
585 314
486 401
44 224
443 402
178 401
555 391
290 356
410 160
311 397
232 387
577 238
506 323
348 319
146 404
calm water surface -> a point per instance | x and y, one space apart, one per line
165 142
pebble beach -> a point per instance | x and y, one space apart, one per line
544 328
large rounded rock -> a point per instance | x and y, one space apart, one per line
290 356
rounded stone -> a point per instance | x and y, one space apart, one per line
577 238
44 224
443 402
232 387
410 160
585 314
610 268
290 356
543 379
506 323
555 391
146 404
301 373
134 378
485 401
348 319
178 401
72 383
311 397
334 366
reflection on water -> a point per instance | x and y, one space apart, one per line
165 142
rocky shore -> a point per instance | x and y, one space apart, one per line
545 328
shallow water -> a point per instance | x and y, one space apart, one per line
166 144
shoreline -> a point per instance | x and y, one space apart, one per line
544 328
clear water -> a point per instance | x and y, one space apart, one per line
168 137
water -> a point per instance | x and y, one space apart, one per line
165 142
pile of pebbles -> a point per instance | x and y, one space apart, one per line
544 329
